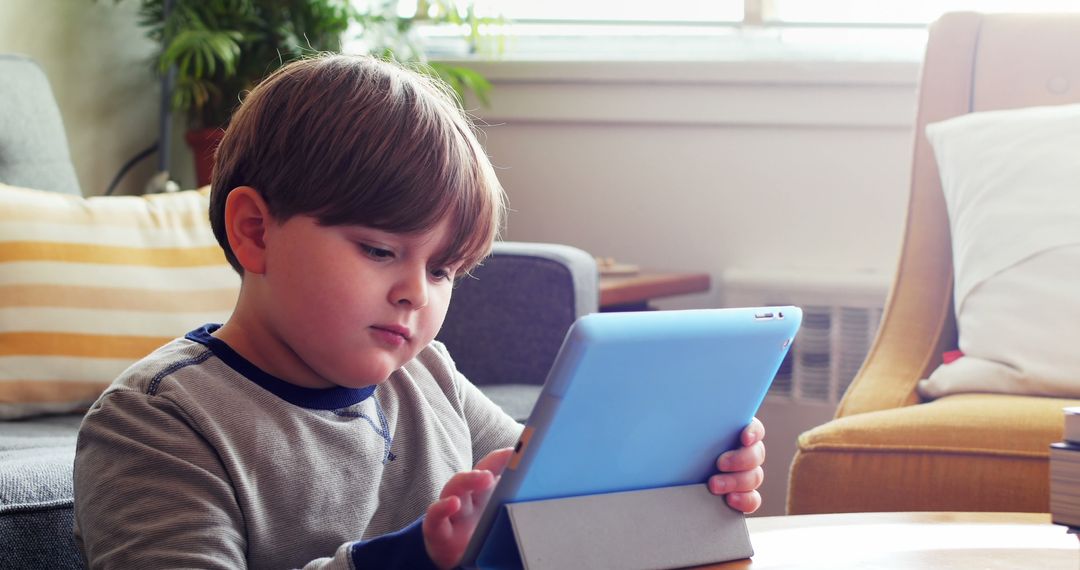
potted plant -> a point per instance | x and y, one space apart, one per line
218 49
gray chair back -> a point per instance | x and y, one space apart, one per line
506 323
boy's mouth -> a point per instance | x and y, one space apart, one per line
400 331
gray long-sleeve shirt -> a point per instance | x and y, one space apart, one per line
196 458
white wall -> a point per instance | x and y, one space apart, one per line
704 166
96 59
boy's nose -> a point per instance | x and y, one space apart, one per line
411 289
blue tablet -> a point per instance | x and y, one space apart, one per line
638 401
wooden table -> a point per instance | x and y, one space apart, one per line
633 292
889 541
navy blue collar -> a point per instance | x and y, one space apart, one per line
311 398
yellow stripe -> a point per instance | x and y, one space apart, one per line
35 392
113 255
107 298
84 345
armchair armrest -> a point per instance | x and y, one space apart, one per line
507 321
919 325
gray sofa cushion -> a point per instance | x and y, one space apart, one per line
36 518
33 146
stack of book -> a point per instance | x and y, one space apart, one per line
1065 474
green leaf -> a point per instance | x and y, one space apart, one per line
463 80
199 52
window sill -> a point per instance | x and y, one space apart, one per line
768 56
751 94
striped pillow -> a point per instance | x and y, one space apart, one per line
90 285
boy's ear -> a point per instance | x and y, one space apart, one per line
246 221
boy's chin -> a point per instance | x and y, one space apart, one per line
373 374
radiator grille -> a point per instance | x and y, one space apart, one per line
841 314
827 353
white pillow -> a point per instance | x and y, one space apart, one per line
1011 181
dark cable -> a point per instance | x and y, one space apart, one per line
165 110
128 165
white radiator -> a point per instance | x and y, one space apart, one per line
841 313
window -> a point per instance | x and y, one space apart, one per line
757 12
616 11
702 29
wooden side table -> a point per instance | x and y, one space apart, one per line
633 292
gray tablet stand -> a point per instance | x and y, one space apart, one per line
670 527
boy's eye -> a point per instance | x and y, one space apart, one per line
376 252
442 273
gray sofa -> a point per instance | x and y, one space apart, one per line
504 327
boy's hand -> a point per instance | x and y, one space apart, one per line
450 521
740 470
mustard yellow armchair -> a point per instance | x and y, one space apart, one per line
886 450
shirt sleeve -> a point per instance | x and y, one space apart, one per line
491 428
150 492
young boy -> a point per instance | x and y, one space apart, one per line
321 423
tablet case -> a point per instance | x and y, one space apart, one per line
633 415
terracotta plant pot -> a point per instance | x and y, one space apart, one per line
203 143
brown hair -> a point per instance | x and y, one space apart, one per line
357 140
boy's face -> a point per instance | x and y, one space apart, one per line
350 304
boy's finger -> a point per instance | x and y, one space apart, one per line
437 520
753 433
742 459
496 461
467 482
739 482
745 502
480 498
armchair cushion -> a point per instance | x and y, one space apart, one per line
963 452
1009 181
90 285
